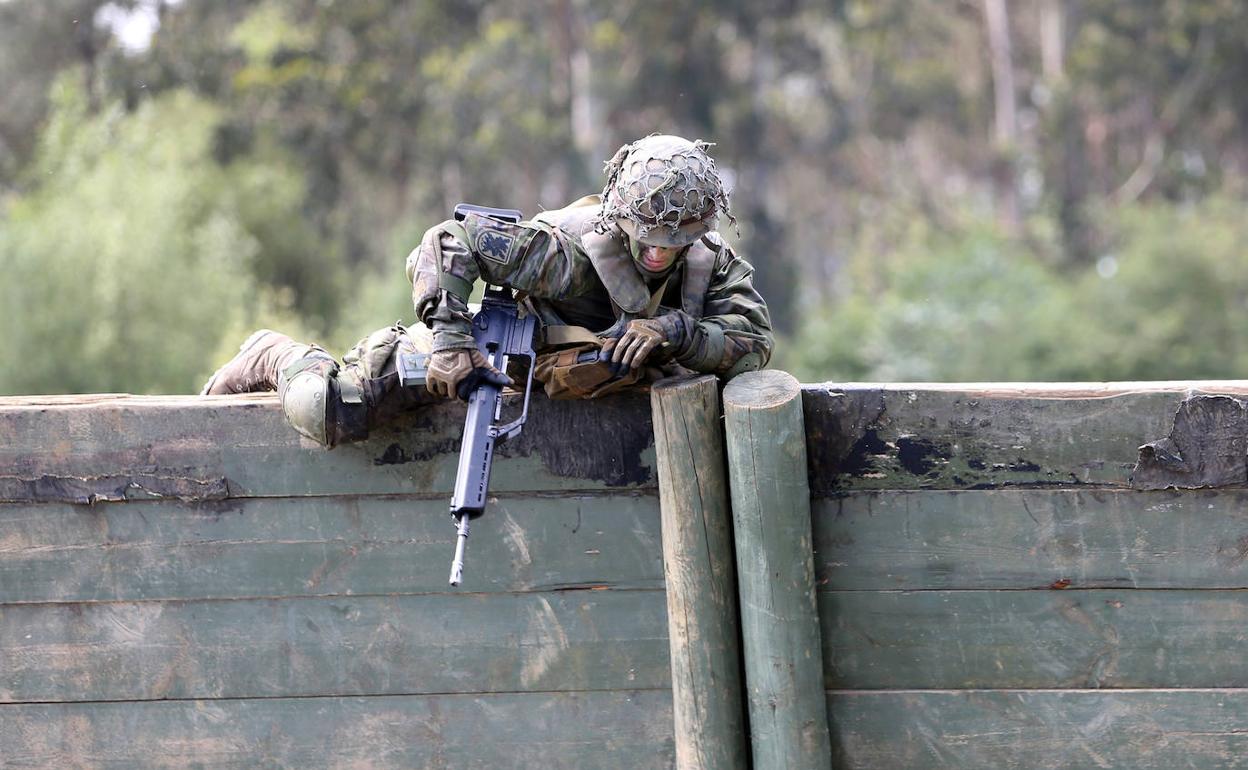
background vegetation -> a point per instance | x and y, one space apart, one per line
929 189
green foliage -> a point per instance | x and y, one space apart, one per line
273 161
1170 302
971 304
135 256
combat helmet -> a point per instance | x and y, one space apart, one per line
664 191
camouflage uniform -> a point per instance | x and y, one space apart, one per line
577 271
575 267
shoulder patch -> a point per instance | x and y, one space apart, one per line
494 245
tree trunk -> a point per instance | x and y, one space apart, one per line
1005 121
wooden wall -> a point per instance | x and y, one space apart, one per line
995 592
186 583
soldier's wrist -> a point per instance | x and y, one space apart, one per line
451 336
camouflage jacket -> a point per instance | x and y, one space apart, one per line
577 273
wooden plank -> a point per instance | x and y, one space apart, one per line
775 569
1032 539
1044 730
555 731
1034 639
701 581
436 643
322 546
194 447
959 436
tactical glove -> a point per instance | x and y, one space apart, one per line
458 371
640 338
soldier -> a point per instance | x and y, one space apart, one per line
629 287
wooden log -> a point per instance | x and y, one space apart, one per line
393 645
1032 538
963 436
701 579
1034 639
552 731
88 449
320 546
1040 730
771 519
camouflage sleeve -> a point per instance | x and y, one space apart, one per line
734 334
531 257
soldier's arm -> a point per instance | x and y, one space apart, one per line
734 334
532 257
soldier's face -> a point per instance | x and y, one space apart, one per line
656 259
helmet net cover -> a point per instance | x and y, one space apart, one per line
661 183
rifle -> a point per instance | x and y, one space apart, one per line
500 333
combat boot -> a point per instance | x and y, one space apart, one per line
260 360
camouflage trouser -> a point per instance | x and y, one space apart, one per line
334 403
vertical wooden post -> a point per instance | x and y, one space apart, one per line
699 570
776 572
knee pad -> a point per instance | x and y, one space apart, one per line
320 404
306 394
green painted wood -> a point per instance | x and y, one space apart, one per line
709 712
56 552
771 521
1044 730
131 447
988 436
555 731
1032 539
1034 639
435 643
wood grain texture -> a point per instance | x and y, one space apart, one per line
559 731
1205 448
700 575
320 546
1032 539
1034 639
1040 730
437 643
771 522
204 448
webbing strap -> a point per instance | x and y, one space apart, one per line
447 281
570 335
455 285
656 298
310 359
348 390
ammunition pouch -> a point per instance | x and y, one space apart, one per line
575 372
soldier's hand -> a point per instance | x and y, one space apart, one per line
457 372
641 337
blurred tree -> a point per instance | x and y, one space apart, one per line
1168 301
874 150
968 304
133 256
38 40
973 304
